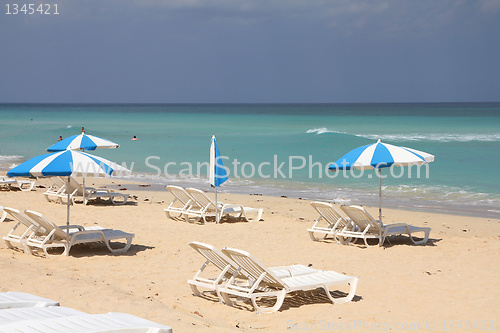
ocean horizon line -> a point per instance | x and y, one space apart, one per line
246 103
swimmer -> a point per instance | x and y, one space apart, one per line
60 138
83 129
134 138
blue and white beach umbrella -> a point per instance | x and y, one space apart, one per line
217 173
82 142
380 155
68 163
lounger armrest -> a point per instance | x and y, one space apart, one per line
88 232
93 190
389 226
72 226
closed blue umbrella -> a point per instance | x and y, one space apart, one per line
217 172
67 163
380 155
82 142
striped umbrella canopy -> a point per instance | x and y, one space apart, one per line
380 155
68 163
83 142
217 173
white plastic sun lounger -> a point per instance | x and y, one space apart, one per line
72 321
335 223
181 204
77 192
265 283
23 185
371 228
57 236
13 299
52 193
24 228
229 268
208 207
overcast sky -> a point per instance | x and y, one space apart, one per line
252 51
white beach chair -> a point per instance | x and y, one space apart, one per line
23 185
24 228
72 321
181 204
207 208
52 193
57 237
77 192
371 228
228 268
336 224
265 283
13 299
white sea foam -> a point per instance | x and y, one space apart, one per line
322 130
4 158
441 137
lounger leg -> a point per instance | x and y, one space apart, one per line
123 249
280 298
195 290
170 216
4 215
352 291
342 240
311 235
259 214
26 248
224 298
426 237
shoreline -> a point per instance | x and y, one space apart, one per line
368 198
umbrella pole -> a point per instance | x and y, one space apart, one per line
84 190
216 209
67 213
380 196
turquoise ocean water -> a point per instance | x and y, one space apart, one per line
465 138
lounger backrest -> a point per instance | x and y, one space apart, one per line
180 194
329 213
74 185
58 181
200 197
21 217
253 267
216 257
361 217
46 224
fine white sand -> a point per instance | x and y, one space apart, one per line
452 280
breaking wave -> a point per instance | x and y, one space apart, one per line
451 137
4 158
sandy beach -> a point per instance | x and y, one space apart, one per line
451 283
